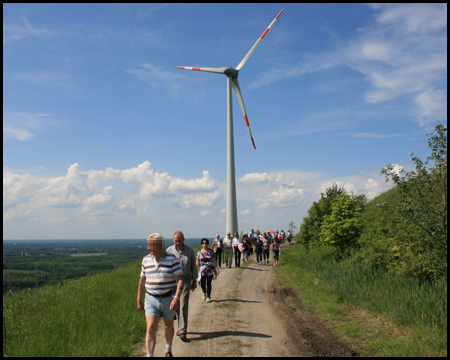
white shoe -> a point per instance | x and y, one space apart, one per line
204 297
208 300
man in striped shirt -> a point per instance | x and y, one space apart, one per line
162 281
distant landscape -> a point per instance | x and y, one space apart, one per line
29 264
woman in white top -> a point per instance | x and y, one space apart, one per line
217 247
237 253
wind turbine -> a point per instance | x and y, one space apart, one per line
232 82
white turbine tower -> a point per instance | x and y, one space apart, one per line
232 82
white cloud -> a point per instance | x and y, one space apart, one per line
370 184
397 169
151 183
255 178
127 204
18 134
90 192
65 191
203 184
348 187
377 51
275 190
432 105
18 189
285 195
402 55
374 188
96 178
141 198
413 18
405 54
24 126
207 199
99 201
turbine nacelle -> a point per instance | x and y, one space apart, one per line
232 73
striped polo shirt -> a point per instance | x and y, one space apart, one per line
160 278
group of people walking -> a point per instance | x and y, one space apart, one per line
263 244
167 277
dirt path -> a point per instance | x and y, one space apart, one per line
250 315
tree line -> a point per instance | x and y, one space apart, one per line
402 231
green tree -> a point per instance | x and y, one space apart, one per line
310 227
341 228
424 192
389 243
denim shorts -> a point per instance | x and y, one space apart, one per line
155 305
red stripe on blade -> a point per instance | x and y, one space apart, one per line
279 14
246 120
196 68
264 33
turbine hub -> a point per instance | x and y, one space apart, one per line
232 73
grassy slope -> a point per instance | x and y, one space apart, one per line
380 315
91 316
371 332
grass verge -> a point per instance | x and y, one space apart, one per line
377 315
91 316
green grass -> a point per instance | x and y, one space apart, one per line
379 314
91 316
97 315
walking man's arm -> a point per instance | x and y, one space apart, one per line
141 291
175 304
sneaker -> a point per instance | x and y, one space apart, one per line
204 296
208 300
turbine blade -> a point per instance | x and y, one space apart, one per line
237 90
244 60
207 69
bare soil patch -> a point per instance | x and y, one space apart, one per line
251 315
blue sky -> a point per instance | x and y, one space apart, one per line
103 137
